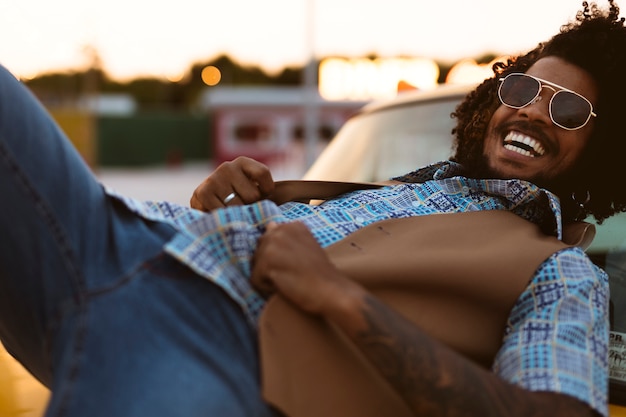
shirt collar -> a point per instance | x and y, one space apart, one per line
530 201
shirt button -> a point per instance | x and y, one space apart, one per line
465 189
359 220
416 203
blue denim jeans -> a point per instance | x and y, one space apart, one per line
91 305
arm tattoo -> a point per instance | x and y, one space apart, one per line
435 381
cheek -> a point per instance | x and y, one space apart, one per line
491 133
501 113
574 150
577 142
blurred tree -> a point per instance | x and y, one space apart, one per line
58 88
150 93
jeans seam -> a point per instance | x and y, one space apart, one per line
129 276
74 364
81 332
69 259
46 214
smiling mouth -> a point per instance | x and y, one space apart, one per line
524 145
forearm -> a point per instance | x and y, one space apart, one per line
430 377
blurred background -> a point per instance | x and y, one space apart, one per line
155 94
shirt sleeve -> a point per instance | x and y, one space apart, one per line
556 338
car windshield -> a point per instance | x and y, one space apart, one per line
386 143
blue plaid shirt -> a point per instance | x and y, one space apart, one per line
556 338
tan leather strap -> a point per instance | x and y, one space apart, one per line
456 276
304 191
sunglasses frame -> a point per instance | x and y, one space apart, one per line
552 86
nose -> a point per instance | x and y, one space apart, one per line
538 110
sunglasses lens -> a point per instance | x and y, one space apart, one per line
517 90
570 110
567 109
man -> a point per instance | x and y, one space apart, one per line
111 302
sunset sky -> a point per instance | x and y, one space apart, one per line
163 37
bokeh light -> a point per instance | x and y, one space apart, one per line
211 75
468 71
366 79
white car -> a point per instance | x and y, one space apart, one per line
392 137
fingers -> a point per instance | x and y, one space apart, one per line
241 181
287 260
257 173
264 286
204 200
264 270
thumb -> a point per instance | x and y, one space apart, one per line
271 226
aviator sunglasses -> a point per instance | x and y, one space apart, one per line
568 109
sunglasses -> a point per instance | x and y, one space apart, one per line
568 109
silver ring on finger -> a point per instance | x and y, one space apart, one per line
230 197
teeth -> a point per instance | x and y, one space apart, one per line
523 144
518 150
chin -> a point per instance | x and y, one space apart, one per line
506 172
477 167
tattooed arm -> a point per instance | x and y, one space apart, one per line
435 380
431 378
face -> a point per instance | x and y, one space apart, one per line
525 143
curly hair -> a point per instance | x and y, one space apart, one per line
596 42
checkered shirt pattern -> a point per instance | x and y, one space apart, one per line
556 337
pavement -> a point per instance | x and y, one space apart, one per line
172 183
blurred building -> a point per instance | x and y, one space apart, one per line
270 123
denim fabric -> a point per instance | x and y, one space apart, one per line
91 305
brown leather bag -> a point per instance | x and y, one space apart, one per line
454 275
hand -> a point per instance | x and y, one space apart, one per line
288 260
250 180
